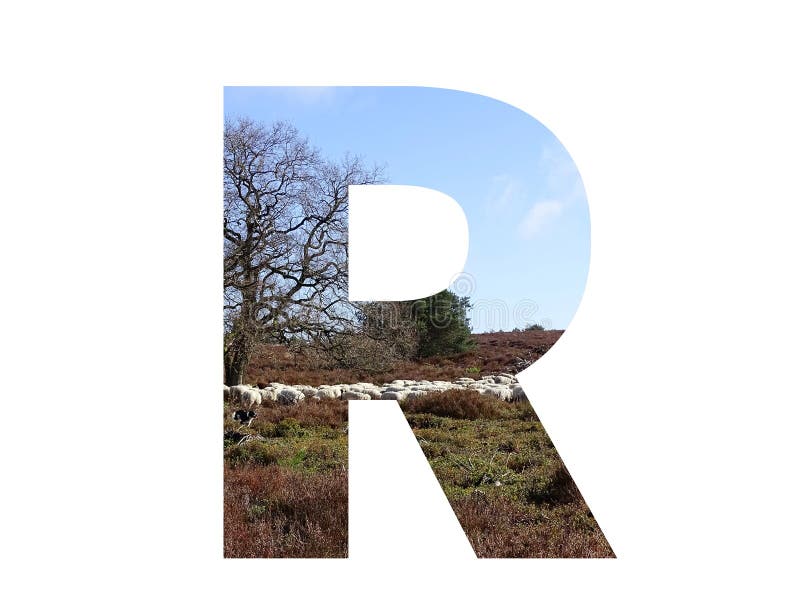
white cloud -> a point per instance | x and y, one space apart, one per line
561 186
503 192
540 216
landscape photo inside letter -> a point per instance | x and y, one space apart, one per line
464 225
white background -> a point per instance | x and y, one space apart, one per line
672 397
379 268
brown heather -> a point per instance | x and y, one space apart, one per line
276 512
494 353
286 488
501 528
509 488
457 404
308 413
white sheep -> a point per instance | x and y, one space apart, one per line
503 386
268 394
394 388
355 396
289 395
250 398
498 391
517 393
308 391
226 393
236 391
326 392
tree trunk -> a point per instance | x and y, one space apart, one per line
236 359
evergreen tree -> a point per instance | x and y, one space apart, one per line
442 324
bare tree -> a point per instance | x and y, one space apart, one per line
380 335
285 229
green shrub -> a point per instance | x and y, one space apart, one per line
507 445
254 453
424 421
289 428
524 411
552 487
298 458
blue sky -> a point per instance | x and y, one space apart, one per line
521 192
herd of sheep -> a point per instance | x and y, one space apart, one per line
503 386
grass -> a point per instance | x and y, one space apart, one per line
504 479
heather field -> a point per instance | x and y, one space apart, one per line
504 479
286 482
503 352
286 473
